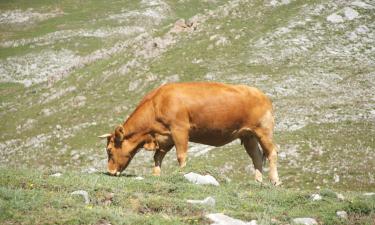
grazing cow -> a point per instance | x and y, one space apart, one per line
202 112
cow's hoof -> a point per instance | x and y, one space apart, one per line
276 183
156 171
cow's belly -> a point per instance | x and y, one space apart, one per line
211 137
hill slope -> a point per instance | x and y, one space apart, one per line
70 71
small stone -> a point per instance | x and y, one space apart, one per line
89 170
58 127
334 18
27 83
56 175
282 155
350 13
139 178
340 196
82 193
316 197
336 178
342 214
221 219
199 179
305 221
369 194
108 198
46 112
209 201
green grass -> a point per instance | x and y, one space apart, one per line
28 197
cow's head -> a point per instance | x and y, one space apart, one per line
120 150
122 147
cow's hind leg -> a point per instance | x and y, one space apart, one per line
158 159
251 146
264 136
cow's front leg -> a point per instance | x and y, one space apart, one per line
158 158
180 139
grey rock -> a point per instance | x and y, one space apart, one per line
342 214
84 194
209 201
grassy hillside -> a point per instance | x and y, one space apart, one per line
37 198
72 70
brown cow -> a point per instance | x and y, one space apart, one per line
202 112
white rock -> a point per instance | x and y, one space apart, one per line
362 5
210 201
336 178
340 196
316 197
334 18
282 155
369 194
362 29
82 193
350 13
199 179
139 178
27 83
221 219
305 221
56 175
342 214
89 170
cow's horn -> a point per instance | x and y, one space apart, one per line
104 135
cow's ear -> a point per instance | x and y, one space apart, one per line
119 133
151 145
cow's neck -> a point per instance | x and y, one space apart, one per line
139 121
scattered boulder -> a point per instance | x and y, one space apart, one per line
340 196
342 214
221 219
108 198
336 178
369 194
199 179
316 197
84 194
334 18
79 101
89 170
350 14
181 26
56 175
305 221
209 201
362 5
